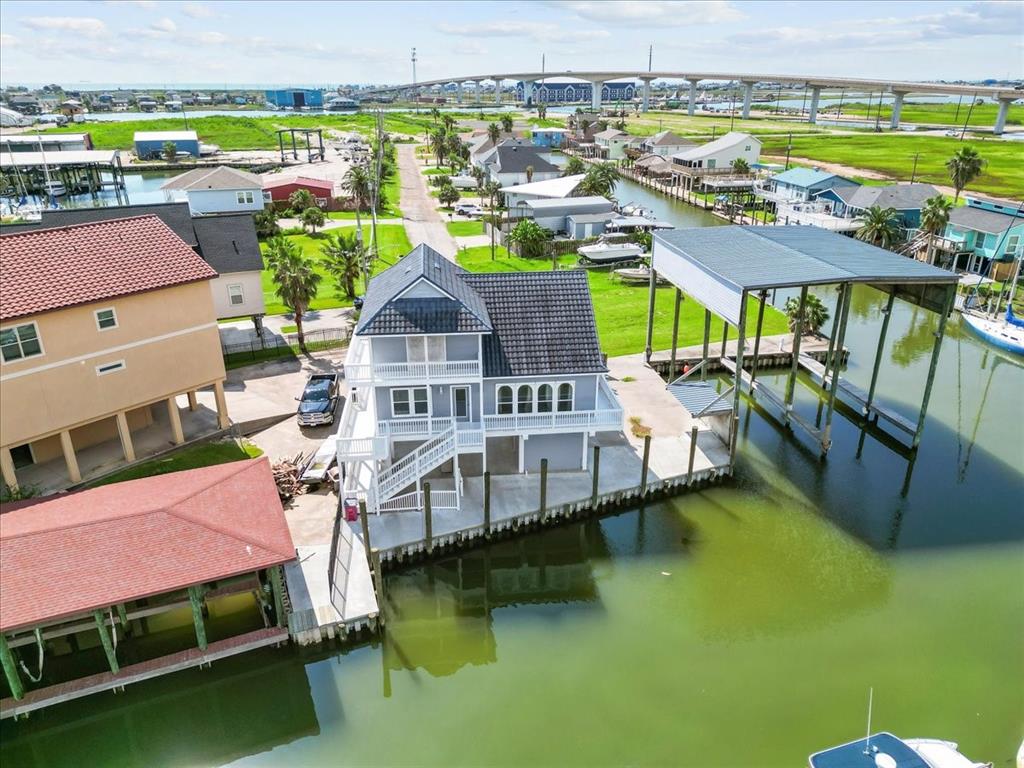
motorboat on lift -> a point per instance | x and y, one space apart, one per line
610 251
639 275
883 750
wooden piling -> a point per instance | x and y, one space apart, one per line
693 455
647 462
428 522
487 504
195 597
543 487
108 647
10 669
597 473
366 526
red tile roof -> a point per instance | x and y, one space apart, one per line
50 269
74 553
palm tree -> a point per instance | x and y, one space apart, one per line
740 165
343 256
934 218
815 314
574 166
448 122
439 145
879 226
529 174
481 177
964 167
359 186
506 123
601 179
493 133
530 237
300 200
435 114
312 217
295 279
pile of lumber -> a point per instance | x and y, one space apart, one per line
286 475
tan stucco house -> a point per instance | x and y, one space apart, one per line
102 326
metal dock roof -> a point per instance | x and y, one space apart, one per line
700 398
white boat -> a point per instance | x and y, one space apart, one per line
605 251
883 750
55 189
638 275
999 332
635 209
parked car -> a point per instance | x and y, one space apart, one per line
319 400
468 209
357 302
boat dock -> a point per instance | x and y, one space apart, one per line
775 352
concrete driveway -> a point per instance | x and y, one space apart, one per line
423 222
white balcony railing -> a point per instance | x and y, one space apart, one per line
362 448
414 427
559 421
416 500
397 373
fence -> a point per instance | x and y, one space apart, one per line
272 347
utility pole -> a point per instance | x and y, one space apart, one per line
913 173
789 148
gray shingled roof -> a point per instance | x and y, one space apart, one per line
384 312
668 139
221 177
543 323
516 158
980 220
174 215
899 196
228 243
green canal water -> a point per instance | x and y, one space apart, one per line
740 626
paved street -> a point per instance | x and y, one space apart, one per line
423 222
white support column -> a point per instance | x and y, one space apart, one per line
595 95
174 417
7 469
583 461
897 108
68 448
748 92
692 105
813 114
1004 107
646 95
522 454
126 436
222 405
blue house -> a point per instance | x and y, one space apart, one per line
548 137
801 184
906 199
296 98
149 145
985 233
566 93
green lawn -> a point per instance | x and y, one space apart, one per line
441 170
393 244
983 115
893 154
647 123
465 228
621 310
202 455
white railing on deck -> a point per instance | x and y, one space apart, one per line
354 448
559 420
425 425
415 501
385 373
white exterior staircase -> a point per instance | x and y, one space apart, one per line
408 469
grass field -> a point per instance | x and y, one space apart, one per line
202 455
465 228
621 310
983 115
893 155
649 123
393 245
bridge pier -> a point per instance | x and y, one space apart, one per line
1004 107
897 108
692 106
812 115
497 91
476 91
646 85
748 92
595 94
528 93
458 92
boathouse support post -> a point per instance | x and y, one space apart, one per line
428 518
195 597
707 341
10 669
646 465
675 335
761 298
693 454
887 312
108 646
798 331
826 438
276 577
596 474
487 503
653 287
543 488
830 360
725 335
122 615
940 332
741 335
364 521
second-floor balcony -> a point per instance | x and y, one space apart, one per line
372 374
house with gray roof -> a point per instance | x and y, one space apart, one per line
518 162
850 202
665 143
985 236
216 190
453 373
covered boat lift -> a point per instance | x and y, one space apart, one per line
724 267
78 170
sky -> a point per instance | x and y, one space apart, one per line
327 43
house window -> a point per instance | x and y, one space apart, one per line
106 319
544 398
1011 245
103 370
20 341
504 400
746 148
244 198
409 402
267 196
565 397
235 295
524 399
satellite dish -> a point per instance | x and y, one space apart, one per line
882 760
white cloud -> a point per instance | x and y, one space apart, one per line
213 38
83 25
197 10
146 5
9 41
469 48
538 31
164 25
654 13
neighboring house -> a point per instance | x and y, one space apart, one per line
552 213
25 104
719 154
665 143
149 145
216 190
55 142
228 243
851 201
985 233
554 92
548 137
102 326
656 166
580 226
612 143
507 164
456 373
801 184
560 187
134 553
295 98
277 189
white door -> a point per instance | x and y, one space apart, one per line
460 403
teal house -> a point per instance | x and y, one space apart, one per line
985 233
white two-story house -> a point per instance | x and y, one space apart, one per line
453 373
216 190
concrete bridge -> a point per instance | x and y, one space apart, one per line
898 88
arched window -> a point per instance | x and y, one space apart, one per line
524 399
544 398
565 397
504 400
